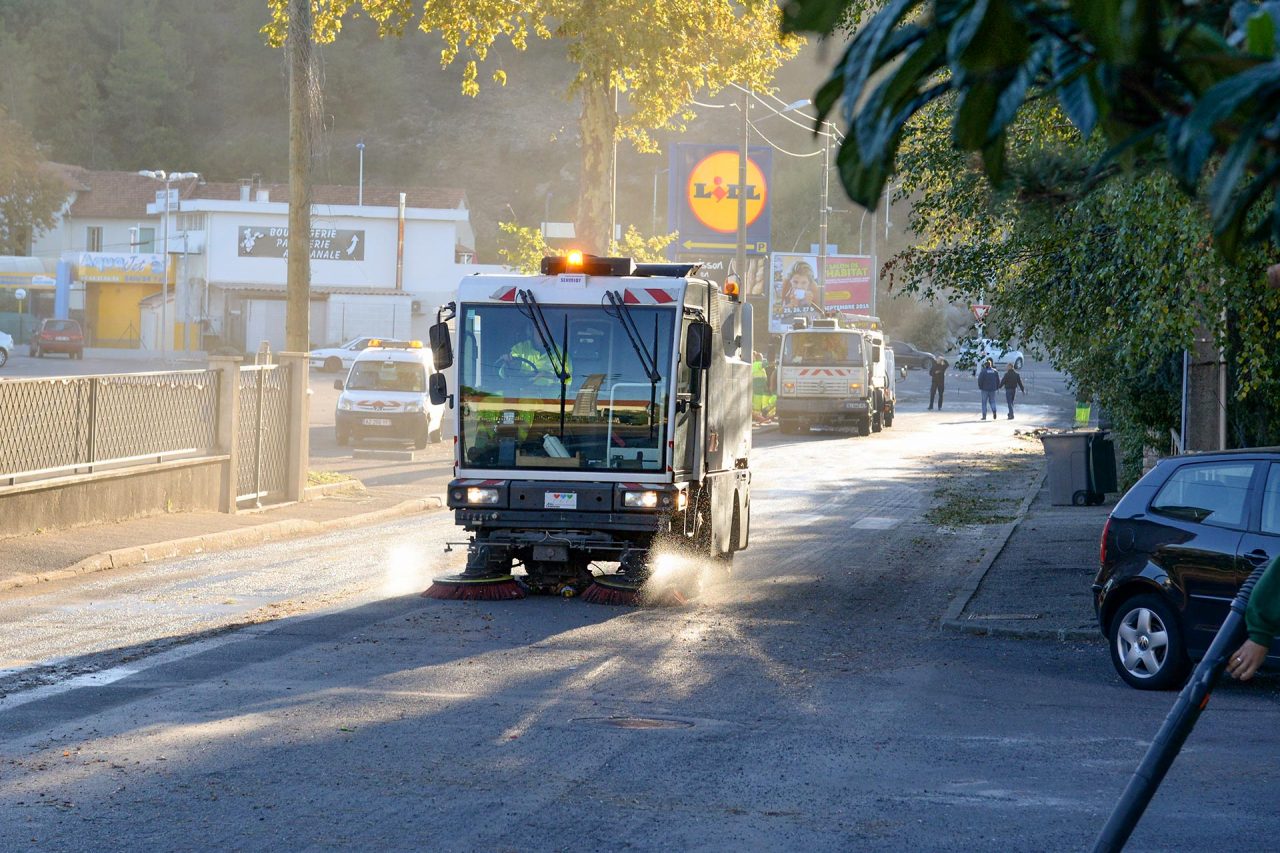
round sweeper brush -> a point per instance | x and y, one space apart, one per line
615 589
463 587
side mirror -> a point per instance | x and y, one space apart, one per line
339 385
441 346
902 371
697 346
875 353
438 389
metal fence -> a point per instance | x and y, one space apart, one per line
80 424
263 438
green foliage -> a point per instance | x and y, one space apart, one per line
524 248
1196 84
30 194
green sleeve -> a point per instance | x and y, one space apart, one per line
1263 614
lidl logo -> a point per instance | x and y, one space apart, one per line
712 191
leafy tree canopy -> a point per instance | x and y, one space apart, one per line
1194 84
30 194
658 53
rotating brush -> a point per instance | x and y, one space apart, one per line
466 588
607 589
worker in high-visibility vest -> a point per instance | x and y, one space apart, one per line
763 402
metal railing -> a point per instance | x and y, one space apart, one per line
82 424
263 439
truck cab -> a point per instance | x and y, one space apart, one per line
603 411
835 373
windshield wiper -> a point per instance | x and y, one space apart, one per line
648 361
559 358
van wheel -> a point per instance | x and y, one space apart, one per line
877 422
789 427
333 364
436 435
1147 646
1017 365
864 426
341 437
420 441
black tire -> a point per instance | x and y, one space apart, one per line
789 427
1080 498
333 364
877 422
341 436
436 435
1017 365
1148 650
888 419
4 357
1096 498
420 440
864 426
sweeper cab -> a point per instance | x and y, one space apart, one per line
602 413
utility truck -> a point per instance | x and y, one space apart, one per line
602 411
836 372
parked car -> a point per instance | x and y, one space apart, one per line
978 350
1175 550
62 336
339 357
6 347
909 355
385 396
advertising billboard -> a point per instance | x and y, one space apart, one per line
797 290
703 198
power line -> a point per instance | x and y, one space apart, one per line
779 148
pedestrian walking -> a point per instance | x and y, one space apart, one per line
988 382
937 380
1011 382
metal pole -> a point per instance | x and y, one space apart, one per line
165 331
822 214
741 260
360 188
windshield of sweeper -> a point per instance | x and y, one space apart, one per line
555 386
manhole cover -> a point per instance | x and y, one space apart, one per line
637 722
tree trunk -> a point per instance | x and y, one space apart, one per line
297 316
597 125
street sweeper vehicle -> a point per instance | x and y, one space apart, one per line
836 372
603 415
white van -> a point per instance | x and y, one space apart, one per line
385 396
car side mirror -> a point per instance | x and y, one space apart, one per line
903 372
697 346
339 385
441 346
438 389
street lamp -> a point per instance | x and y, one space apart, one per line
360 188
168 178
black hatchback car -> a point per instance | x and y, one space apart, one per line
909 355
1175 550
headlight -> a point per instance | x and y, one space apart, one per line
789 387
645 500
855 386
477 495
344 404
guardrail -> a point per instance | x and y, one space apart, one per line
82 424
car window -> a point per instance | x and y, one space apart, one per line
1271 501
1214 493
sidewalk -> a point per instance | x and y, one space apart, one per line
1037 584
59 554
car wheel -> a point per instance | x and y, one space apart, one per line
341 436
333 364
789 427
436 435
1017 365
877 422
4 357
864 426
1147 646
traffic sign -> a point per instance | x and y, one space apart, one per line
979 312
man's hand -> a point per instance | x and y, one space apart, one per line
1246 660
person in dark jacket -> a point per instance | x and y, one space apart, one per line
988 383
1011 382
937 380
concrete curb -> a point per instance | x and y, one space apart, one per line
951 619
223 540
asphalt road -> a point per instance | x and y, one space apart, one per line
807 701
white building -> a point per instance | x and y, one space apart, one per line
228 266
234 239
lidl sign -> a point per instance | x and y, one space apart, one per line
704 195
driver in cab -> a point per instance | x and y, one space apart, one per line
528 362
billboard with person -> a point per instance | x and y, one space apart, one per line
797 290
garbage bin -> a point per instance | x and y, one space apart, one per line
1076 459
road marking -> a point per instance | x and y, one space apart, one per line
875 523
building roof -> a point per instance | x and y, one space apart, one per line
433 198
125 195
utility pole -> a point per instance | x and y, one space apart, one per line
740 264
822 213
298 288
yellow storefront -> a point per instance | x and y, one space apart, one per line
114 287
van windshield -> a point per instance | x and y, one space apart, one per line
822 348
388 376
